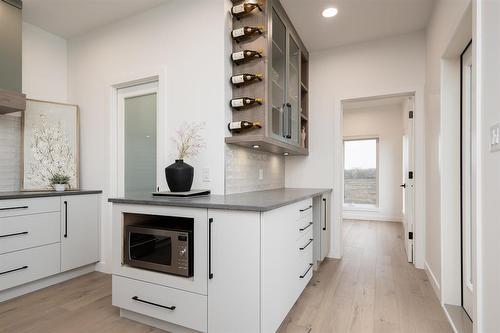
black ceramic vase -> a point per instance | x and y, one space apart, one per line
179 176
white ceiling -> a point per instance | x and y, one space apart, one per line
357 20
374 102
69 18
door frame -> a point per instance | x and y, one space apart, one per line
336 208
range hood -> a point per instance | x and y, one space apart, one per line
11 25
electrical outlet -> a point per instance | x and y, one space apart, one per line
206 175
495 137
261 174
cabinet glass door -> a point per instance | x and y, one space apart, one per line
278 73
293 87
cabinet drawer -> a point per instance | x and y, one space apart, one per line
26 231
20 267
171 305
16 207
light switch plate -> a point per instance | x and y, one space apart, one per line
206 175
495 137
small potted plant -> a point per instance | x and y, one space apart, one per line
188 142
59 182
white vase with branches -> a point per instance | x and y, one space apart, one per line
188 142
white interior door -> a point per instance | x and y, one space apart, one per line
469 180
408 184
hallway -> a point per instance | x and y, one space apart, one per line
372 289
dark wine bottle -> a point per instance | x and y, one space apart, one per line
246 32
245 79
245 8
244 102
245 56
237 126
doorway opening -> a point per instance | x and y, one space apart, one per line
378 162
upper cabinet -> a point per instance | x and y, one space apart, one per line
280 114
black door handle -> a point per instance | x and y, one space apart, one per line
307 271
402 185
324 201
210 274
289 132
172 308
13 270
14 234
65 219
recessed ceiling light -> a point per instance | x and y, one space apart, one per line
256 146
286 154
330 12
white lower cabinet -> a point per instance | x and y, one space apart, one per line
20 267
168 304
79 231
234 283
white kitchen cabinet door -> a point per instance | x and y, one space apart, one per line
79 231
234 272
325 225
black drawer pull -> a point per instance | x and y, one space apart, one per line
135 298
305 246
303 210
307 226
17 207
13 270
308 269
15 234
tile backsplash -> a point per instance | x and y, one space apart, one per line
10 152
243 168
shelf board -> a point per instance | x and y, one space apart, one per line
304 88
268 144
304 117
279 48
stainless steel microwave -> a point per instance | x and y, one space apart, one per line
159 248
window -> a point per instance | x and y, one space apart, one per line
360 172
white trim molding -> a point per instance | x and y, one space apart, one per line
434 282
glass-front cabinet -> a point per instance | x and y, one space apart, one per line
285 82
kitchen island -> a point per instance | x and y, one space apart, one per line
248 258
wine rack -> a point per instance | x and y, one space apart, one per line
282 110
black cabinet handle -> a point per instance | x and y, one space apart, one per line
307 226
17 207
172 308
14 234
303 210
305 246
307 271
283 119
13 270
324 200
289 134
65 219
210 274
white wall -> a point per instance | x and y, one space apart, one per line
446 16
45 78
44 65
184 39
381 67
488 229
386 123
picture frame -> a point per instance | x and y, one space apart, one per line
50 144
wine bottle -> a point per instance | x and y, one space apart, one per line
246 32
244 79
237 126
245 8
244 102
245 56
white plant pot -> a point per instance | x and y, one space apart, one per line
60 187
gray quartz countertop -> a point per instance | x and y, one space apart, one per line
26 195
260 201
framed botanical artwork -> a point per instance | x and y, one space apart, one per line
51 144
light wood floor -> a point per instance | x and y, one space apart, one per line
372 289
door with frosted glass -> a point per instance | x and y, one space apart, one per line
278 123
140 143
